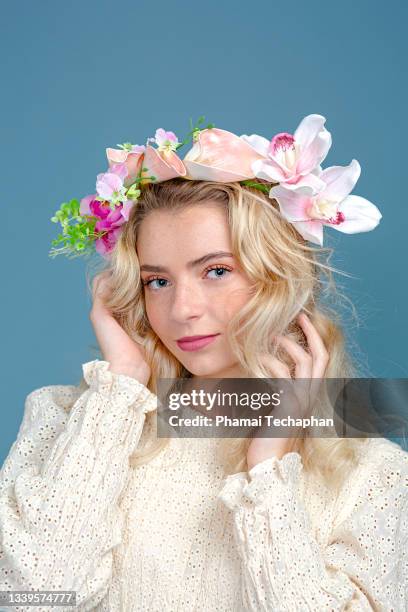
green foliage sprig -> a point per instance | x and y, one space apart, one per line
195 131
78 232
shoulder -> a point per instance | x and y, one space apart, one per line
379 482
386 459
46 413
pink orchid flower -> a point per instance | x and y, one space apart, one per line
293 160
109 221
131 156
331 206
110 186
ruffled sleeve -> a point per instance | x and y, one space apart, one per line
60 484
363 567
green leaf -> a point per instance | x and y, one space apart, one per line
260 186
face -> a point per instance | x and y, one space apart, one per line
190 291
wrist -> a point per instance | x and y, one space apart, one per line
255 462
253 458
140 374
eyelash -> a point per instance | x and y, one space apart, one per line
214 267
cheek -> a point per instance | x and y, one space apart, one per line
155 315
235 300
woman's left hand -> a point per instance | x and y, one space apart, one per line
308 365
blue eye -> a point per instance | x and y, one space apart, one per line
153 280
217 269
161 280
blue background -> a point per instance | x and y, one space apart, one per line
82 75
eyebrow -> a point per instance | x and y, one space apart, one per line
190 264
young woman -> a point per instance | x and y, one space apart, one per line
92 501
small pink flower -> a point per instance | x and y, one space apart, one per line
293 160
162 162
137 149
331 206
166 141
110 186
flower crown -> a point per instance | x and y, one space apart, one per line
308 196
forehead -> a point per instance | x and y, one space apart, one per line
189 232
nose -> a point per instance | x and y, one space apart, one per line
188 302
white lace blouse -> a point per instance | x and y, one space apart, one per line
177 533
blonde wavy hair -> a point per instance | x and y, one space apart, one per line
288 276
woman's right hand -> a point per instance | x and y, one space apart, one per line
124 354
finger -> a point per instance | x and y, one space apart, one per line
316 346
303 372
96 283
276 367
320 354
280 370
303 360
101 284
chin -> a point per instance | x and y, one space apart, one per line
210 370
199 367
203 371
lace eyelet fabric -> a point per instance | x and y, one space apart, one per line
179 534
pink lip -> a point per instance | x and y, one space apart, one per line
194 345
